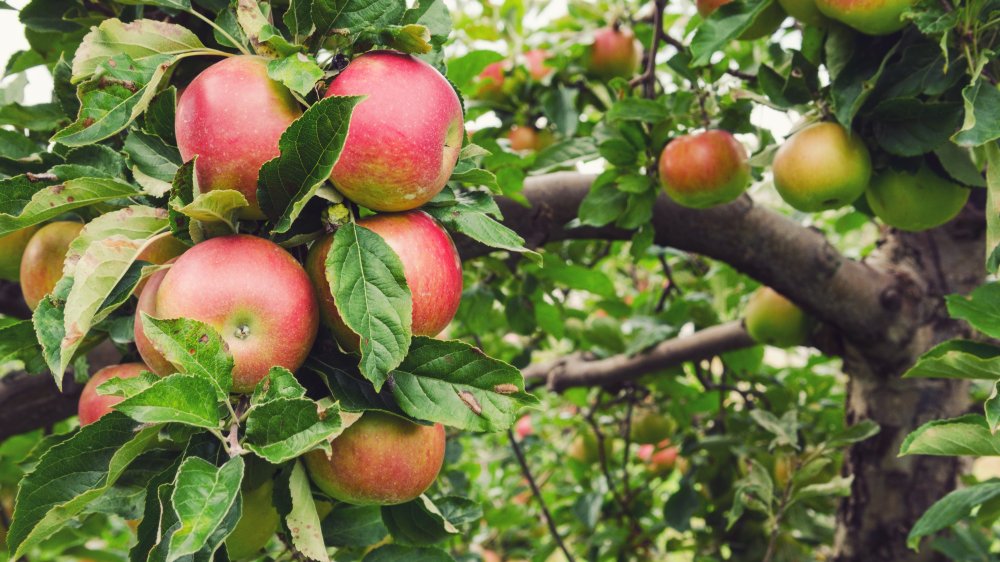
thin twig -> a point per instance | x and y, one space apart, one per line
535 491
648 77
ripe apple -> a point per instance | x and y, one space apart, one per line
663 460
917 201
11 249
252 292
42 262
705 169
523 427
93 406
431 266
381 459
615 52
523 138
772 319
766 23
821 167
231 117
491 556
874 17
805 11
160 252
489 83
535 60
258 523
404 138
147 305
650 426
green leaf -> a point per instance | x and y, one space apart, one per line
215 211
838 486
298 72
185 399
285 428
48 322
310 147
604 202
638 109
202 498
455 384
303 521
957 161
25 203
19 343
724 25
577 277
298 19
981 309
434 15
154 163
40 117
480 227
992 200
353 393
853 434
95 161
785 429
958 359
564 154
982 114
912 127
366 277
951 509
462 70
856 82
279 383
193 348
418 522
967 435
353 526
354 15
184 5
399 553
72 474
140 39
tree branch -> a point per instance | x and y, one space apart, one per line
860 301
576 370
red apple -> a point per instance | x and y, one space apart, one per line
231 117
489 83
663 461
381 459
431 266
253 292
523 138
11 249
705 169
404 138
615 52
42 262
523 427
160 252
535 60
93 406
147 305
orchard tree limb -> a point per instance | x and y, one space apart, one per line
577 370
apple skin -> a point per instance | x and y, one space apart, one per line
93 406
766 23
705 169
11 249
650 427
489 83
523 138
253 293
431 266
615 53
258 523
381 459
404 138
584 448
821 167
805 11
872 17
772 319
915 202
535 61
523 427
160 252
231 117
42 262
147 304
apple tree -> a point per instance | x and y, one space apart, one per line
480 280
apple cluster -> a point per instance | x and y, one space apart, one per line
402 144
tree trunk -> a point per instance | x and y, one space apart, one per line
890 493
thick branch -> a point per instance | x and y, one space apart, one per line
576 370
796 261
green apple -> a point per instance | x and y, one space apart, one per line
915 201
821 167
772 319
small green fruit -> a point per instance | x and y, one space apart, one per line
915 202
256 526
774 320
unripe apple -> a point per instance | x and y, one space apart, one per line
381 459
772 319
231 117
917 201
42 262
821 167
404 137
523 138
805 11
431 267
874 17
705 169
766 23
258 523
535 60
489 82
93 406
615 53
11 249
584 448
650 426
252 292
